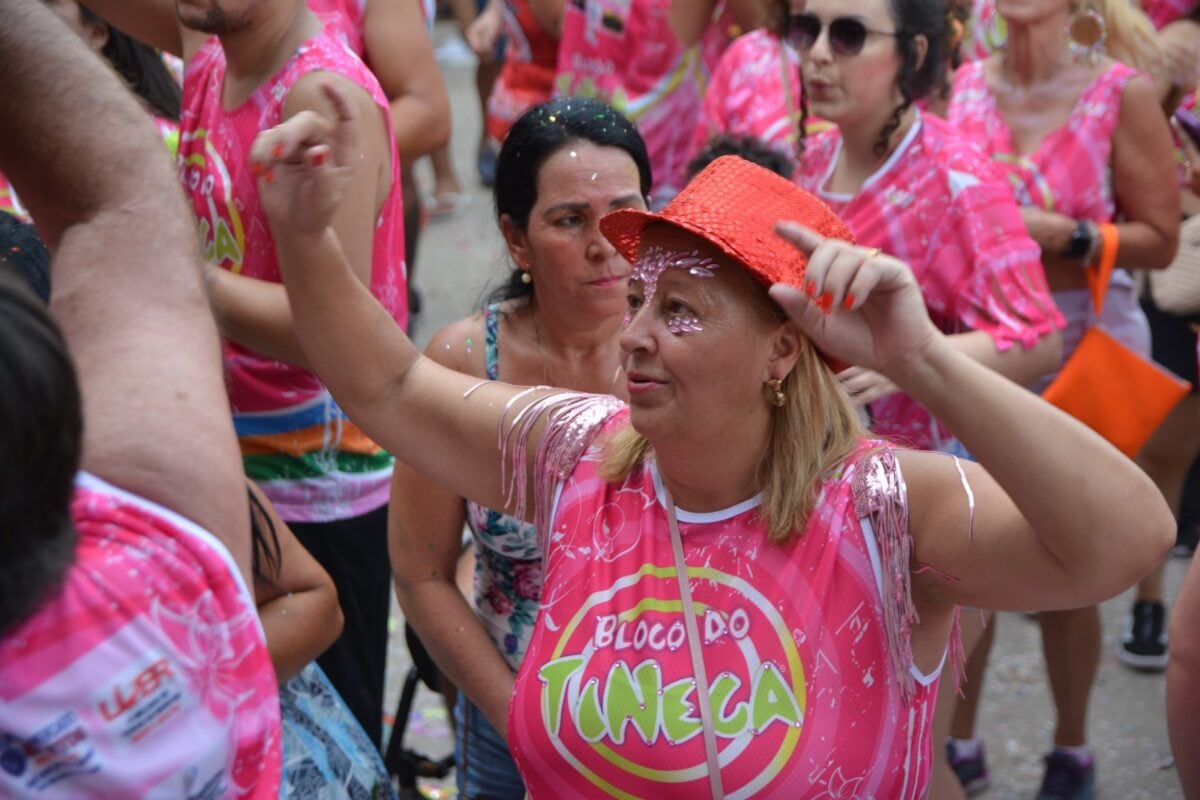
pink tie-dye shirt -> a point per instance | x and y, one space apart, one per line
747 95
1069 171
942 207
145 674
813 690
625 53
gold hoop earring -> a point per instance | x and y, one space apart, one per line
775 385
1087 33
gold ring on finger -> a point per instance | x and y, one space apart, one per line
873 252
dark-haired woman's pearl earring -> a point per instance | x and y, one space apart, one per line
777 396
526 277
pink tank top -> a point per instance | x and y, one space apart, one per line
939 205
312 462
1069 171
625 53
805 646
146 674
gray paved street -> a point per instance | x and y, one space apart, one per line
460 255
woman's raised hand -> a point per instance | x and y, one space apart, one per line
305 164
858 306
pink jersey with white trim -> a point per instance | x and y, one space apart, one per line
807 697
312 462
625 53
146 673
941 206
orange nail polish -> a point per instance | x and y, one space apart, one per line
277 152
810 288
848 303
270 176
319 159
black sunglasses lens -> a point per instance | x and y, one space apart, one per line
847 36
803 30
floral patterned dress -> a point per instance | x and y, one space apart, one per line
508 553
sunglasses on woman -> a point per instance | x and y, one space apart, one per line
847 35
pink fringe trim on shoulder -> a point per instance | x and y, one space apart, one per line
572 421
881 496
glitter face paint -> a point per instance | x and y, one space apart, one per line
653 262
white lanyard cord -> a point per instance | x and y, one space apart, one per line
693 639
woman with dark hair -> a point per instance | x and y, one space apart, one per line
563 165
140 66
908 184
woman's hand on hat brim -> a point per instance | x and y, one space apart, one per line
857 306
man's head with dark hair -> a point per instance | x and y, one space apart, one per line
747 147
23 253
41 432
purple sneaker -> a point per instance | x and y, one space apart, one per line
971 770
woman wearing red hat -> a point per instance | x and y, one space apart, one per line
744 594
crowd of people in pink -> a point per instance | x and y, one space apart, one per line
828 329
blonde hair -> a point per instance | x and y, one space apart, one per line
1132 39
815 430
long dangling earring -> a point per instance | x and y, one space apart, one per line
1087 33
775 385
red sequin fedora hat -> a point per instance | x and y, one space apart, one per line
734 205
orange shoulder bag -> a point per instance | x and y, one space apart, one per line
1115 391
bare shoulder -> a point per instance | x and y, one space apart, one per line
935 484
461 346
1138 97
307 94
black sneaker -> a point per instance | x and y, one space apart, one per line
1067 778
1144 644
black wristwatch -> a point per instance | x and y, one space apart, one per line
1082 242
